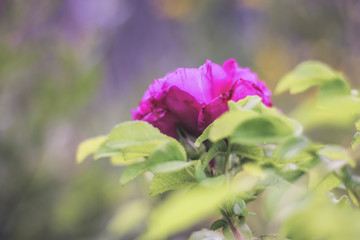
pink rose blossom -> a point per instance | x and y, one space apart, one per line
193 98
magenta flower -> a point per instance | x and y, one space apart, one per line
193 98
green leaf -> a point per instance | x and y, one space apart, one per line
88 147
322 179
318 218
344 202
182 210
171 151
122 159
105 151
133 172
290 148
356 140
250 103
132 140
220 223
262 129
310 74
353 197
338 86
204 136
170 166
296 150
357 125
335 111
166 158
337 153
164 182
249 151
135 136
216 148
226 124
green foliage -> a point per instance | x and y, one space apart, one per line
181 210
335 105
163 182
133 140
356 139
310 74
252 151
318 218
248 151
249 121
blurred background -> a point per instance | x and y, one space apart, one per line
72 69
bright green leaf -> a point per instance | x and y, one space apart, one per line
130 141
335 111
318 218
170 166
204 136
182 210
262 129
357 125
337 87
337 153
166 158
163 182
89 147
356 140
132 172
306 75
171 151
344 202
226 124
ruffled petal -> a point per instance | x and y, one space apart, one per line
185 107
212 111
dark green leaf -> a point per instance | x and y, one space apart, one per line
220 223
216 148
